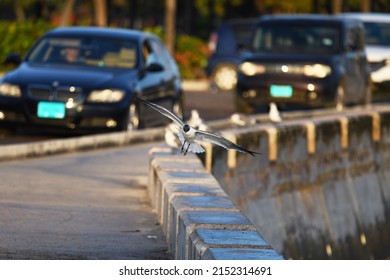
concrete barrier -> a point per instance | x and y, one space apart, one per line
320 190
197 217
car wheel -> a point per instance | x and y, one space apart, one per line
133 119
242 106
225 77
340 97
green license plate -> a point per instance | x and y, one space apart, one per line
281 91
51 110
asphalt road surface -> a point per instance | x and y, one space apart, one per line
88 205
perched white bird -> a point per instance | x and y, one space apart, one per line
189 135
195 120
170 136
274 114
237 119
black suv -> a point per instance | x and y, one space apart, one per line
304 60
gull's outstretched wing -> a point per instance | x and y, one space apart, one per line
163 111
221 141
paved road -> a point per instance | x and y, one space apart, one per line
89 205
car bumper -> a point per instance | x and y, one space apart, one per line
80 117
381 84
307 92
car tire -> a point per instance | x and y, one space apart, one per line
243 106
224 77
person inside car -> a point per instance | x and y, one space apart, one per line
71 54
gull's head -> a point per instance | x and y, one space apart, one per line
186 128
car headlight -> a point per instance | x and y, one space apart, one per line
106 96
251 69
316 70
10 90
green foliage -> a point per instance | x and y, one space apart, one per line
191 56
156 30
218 6
18 37
190 53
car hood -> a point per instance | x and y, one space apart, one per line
377 53
84 77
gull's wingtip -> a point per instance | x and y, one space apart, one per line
253 153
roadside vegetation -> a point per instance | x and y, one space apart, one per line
17 37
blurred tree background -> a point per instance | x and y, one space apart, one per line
184 25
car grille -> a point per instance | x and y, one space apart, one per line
41 93
62 93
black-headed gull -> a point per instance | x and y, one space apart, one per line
274 114
189 135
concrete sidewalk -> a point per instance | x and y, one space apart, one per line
80 205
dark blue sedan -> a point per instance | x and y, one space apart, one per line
87 78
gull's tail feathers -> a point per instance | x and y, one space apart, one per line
196 148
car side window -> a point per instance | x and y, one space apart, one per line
155 52
355 39
150 53
360 32
162 53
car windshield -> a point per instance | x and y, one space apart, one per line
94 52
242 33
297 38
377 33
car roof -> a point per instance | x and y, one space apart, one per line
98 31
239 21
372 17
307 17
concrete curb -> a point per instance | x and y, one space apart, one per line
49 147
195 85
197 217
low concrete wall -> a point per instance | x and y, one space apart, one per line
197 217
320 189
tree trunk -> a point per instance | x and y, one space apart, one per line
336 6
170 21
68 9
100 12
19 12
365 6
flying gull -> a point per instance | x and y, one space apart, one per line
189 135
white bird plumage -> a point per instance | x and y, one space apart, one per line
237 119
274 114
189 136
171 139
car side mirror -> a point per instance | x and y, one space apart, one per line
154 67
13 59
